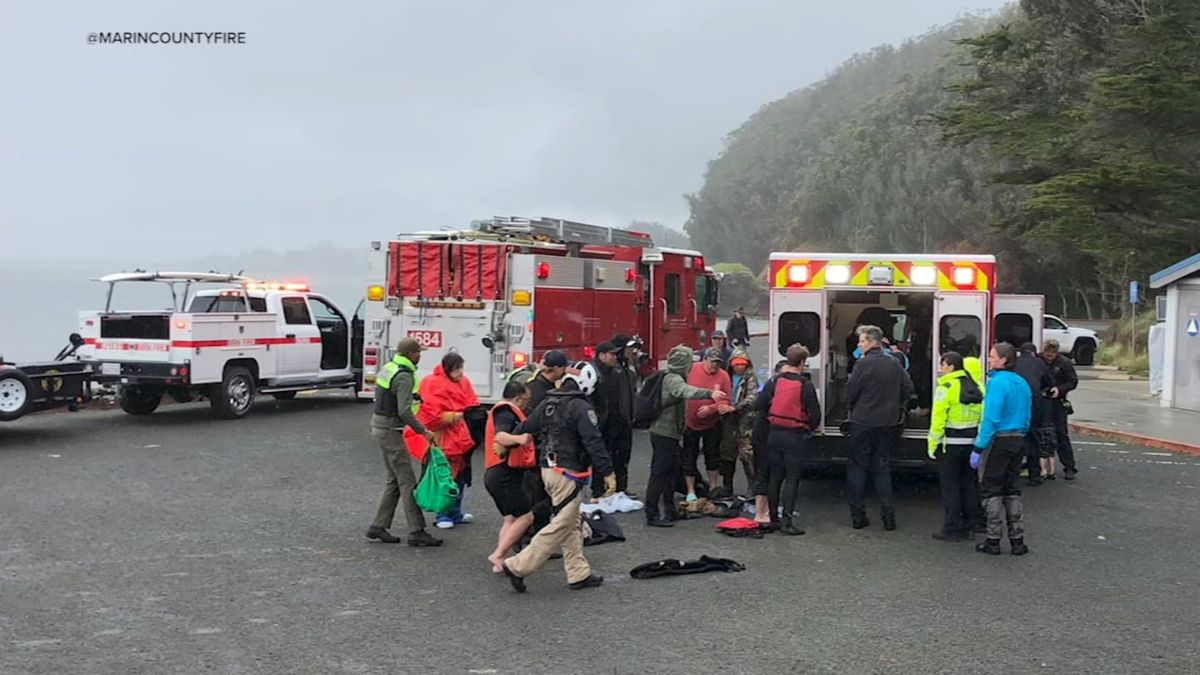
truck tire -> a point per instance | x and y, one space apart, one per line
140 400
284 395
16 394
234 397
1085 352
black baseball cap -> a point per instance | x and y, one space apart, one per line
555 359
623 341
608 348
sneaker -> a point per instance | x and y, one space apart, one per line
445 524
630 493
1069 475
1051 476
659 522
381 534
591 581
464 518
691 497
423 539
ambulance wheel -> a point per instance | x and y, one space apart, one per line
1085 352
284 395
234 397
140 400
16 394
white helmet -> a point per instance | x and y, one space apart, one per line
584 374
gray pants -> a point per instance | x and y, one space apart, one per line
400 481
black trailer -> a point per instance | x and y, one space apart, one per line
34 387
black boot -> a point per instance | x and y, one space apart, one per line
859 520
990 547
381 534
421 538
1019 547
591 581
889 519
788 526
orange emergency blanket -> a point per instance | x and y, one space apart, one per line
441 397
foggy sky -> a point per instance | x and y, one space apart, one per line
348 122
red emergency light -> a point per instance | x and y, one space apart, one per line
630 275
520 359
543 270
798 275
589 352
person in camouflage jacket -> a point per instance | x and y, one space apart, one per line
738 429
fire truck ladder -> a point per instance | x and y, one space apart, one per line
559 231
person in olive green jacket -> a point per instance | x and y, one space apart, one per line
957 411
666 433
396 399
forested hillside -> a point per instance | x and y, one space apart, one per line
1061 135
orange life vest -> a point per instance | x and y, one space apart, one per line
519 457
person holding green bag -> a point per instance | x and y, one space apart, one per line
396 387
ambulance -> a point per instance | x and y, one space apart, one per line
926 305
508 289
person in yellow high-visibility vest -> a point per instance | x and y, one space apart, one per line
957 411
396 401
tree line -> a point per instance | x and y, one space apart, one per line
1061 135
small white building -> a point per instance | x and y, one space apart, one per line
1181 358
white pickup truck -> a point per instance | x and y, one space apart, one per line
1078 343
226 343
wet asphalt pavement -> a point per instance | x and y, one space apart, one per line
176 543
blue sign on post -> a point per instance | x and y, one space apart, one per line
1133 292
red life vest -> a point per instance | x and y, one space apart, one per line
519 457
787 406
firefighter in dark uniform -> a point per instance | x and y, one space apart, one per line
396 400
573 448
1062 370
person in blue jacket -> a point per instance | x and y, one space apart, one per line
999 448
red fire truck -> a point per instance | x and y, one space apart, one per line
508 290
925 304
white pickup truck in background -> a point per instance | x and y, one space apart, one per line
226 344
1078 343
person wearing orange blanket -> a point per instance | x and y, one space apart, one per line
446 396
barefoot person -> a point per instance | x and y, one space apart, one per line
508 457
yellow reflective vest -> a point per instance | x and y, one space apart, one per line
951 416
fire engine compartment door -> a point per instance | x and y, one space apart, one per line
960 322
1018 319
797 316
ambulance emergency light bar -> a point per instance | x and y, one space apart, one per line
838 274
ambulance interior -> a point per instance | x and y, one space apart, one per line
906 318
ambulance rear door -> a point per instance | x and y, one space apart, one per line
960 322
1018 319
797 317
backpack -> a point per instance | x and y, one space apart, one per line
437 492
525 374
968 392
647 403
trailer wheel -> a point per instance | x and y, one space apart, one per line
140 400
234 397
16 394
284 395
